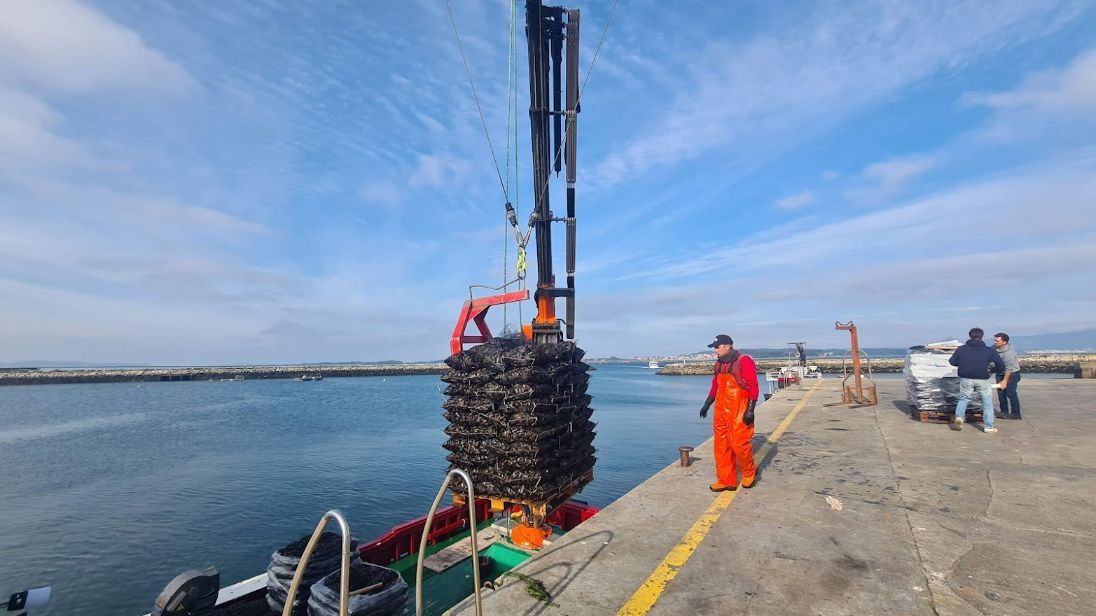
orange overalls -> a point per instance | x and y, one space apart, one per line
732 435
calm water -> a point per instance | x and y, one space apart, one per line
108 491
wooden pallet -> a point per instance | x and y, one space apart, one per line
541 508
942 417
459 551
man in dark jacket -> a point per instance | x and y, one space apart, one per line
973 360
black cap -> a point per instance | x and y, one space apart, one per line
721 339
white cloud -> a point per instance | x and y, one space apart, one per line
53 49
1000 207
887 178
935 275
66 46
906 274
112 293
28 134
383 194
1071 89
796 201
431 123
896 171
21 107
438 171
1016 250
1057 106
784 87
147 214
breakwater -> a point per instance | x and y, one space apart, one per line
209 373
1056 363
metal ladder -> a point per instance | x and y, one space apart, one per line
426 534
344 582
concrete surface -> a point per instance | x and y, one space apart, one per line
859 511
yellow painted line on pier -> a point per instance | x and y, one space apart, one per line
644 598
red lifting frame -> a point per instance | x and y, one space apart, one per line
475 310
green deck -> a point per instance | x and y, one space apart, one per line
442 591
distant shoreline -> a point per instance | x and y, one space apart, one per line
1045 363
209 373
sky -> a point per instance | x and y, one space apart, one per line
210 183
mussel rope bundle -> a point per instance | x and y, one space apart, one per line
519 417
374 590
326 558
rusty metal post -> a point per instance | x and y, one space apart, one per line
683 452
851 328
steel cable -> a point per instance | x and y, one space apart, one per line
479 108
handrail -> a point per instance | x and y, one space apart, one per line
344 583
844 368
426 535
846 390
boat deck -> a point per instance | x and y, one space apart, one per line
859 511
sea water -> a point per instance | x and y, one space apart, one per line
107 491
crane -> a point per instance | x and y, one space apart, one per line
552 35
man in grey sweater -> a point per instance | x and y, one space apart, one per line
1008 377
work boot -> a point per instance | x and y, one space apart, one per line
750 482
719 487
1014 416
956 424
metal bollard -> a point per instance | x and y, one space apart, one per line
684 453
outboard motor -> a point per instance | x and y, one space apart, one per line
191 593
35 597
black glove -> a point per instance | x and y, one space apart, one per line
707 405
748 416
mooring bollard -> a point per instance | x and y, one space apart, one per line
684 453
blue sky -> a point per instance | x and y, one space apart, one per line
189 182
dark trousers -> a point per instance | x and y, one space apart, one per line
1008 397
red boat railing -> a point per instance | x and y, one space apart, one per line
572 513
403 540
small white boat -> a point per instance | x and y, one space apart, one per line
653 364
310 377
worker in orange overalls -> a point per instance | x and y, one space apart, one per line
734 392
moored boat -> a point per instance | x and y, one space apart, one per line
448 561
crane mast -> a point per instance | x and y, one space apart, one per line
552 34
549 32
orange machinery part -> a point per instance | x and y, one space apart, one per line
546 309
530 537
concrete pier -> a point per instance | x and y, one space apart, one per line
858 511
1061 363
1086 370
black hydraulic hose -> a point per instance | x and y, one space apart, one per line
573 19
557 93
539 127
